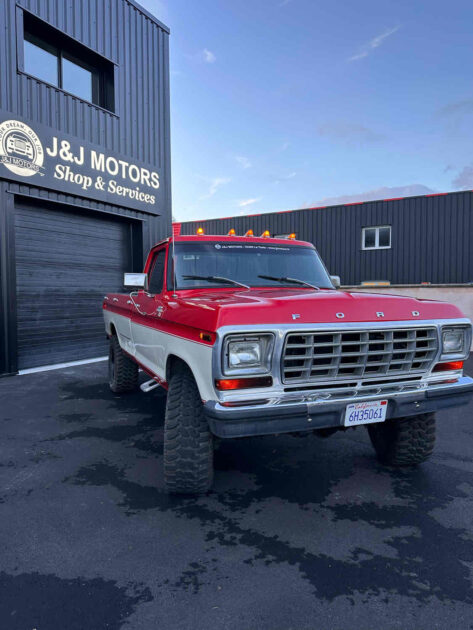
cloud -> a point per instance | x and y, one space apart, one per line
248 202
349 132
459 108
464 179
376 42
208 56
215 184
282 178
243 161
385 192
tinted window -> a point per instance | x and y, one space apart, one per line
55 58
76 79
41 63
156 277
370 238
384 237
244 263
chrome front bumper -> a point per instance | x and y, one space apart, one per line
309 410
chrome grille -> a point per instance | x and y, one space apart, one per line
345 354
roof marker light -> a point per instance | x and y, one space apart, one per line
249 233
265 234
200 230
231 232
292 236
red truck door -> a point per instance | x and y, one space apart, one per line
146 328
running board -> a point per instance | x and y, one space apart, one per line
149 385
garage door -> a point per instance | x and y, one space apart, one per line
66 262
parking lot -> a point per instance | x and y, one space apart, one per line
297 533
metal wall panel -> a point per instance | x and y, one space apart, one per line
139 46
431 237
139 129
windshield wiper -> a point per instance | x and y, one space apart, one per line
218 279
293 280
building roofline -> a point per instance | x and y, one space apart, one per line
149 15
338 205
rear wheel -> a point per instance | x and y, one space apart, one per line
404 441
122 371
188 443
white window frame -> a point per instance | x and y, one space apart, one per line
376 238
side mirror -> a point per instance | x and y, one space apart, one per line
336 281
135 280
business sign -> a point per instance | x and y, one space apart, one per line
41 156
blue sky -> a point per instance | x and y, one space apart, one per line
279 104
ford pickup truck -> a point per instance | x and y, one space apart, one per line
250 336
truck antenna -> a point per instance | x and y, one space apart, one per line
174 277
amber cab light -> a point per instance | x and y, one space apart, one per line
227 384
292 236
231 232
200 230
249 233
265 234
447 367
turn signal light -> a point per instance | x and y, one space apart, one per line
265 234
227 384
292 236
200 230
446 367
249 233
231 232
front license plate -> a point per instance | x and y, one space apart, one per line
365 413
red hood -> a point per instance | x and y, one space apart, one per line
209 310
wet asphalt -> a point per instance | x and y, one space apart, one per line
298 533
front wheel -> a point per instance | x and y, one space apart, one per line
188 443
404 441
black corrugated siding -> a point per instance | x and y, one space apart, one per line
431 237
138 129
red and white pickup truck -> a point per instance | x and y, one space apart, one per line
250 336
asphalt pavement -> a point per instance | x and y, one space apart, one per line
298 533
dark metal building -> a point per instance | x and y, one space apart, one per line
403 241
84 168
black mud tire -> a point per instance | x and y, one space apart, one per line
122 371
404 441
188 443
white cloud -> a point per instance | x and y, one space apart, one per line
247 202
385 192
373 43
243 161
282 178
215 184
208 56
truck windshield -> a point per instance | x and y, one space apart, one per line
246 263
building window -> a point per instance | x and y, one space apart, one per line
378 237
59 60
